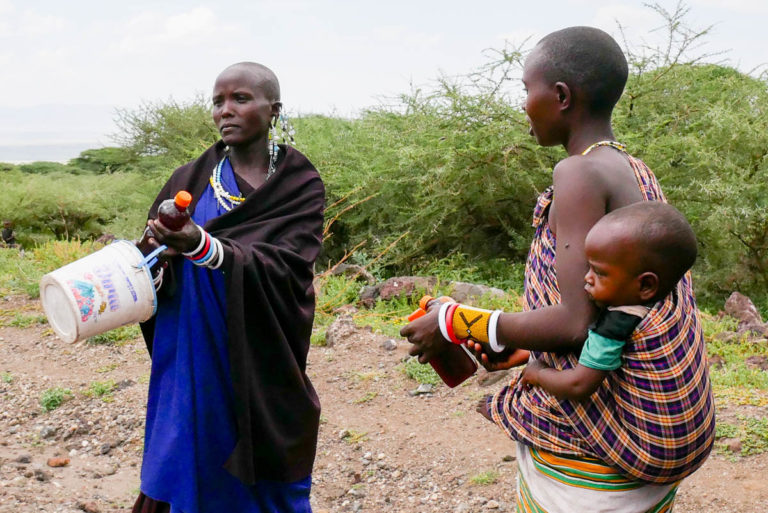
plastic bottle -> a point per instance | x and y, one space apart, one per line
454 364
172 213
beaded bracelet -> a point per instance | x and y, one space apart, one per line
441 320
469 322
157 281
199 246
209 253
492 340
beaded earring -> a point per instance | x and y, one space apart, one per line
287 129
272 147
285 135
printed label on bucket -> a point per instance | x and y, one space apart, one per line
99 292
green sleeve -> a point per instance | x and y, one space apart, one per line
601 353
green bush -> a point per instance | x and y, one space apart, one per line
173 132
106 160
703 129
20 274
66 206
43 168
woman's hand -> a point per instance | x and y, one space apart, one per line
424 334
181 241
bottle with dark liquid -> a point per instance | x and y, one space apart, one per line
454 364
173 214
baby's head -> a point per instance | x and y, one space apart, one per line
638 253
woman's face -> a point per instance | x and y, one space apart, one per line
241 111
541 106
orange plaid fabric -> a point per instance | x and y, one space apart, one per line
653 418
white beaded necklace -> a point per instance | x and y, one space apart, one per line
224 198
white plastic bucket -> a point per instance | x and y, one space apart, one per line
100 292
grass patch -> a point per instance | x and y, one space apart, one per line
422 374
6 377
107 368
20 320
102 389
484 478
751 431
367 397
117 335
734 381
353 437
54 397
366 376
21 273
317 338
335 291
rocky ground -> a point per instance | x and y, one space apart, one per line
383 447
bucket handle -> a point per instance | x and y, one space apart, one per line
151 259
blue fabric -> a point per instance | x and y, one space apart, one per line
191 429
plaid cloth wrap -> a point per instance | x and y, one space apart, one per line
653 418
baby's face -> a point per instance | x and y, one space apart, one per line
611 279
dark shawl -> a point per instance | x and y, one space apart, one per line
270 244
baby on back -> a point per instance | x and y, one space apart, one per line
636 255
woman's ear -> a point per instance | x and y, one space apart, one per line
563 95
648 286
276 106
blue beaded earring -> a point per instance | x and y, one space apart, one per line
272 147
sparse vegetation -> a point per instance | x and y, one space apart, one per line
102 389
422 374
484 478
117 335
54 397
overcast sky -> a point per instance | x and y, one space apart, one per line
68 65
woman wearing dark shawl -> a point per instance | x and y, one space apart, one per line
232 418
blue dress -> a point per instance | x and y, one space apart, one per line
191 427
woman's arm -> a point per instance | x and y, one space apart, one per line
579 202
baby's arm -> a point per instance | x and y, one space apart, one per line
576 384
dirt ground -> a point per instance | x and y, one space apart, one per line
383 448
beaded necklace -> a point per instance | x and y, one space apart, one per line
612 144
224 198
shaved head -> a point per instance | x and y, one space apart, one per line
587 59
261 77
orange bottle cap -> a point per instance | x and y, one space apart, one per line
183 199
424 300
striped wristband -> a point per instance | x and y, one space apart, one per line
441 320
209 253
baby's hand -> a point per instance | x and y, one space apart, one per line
531 372
493 361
